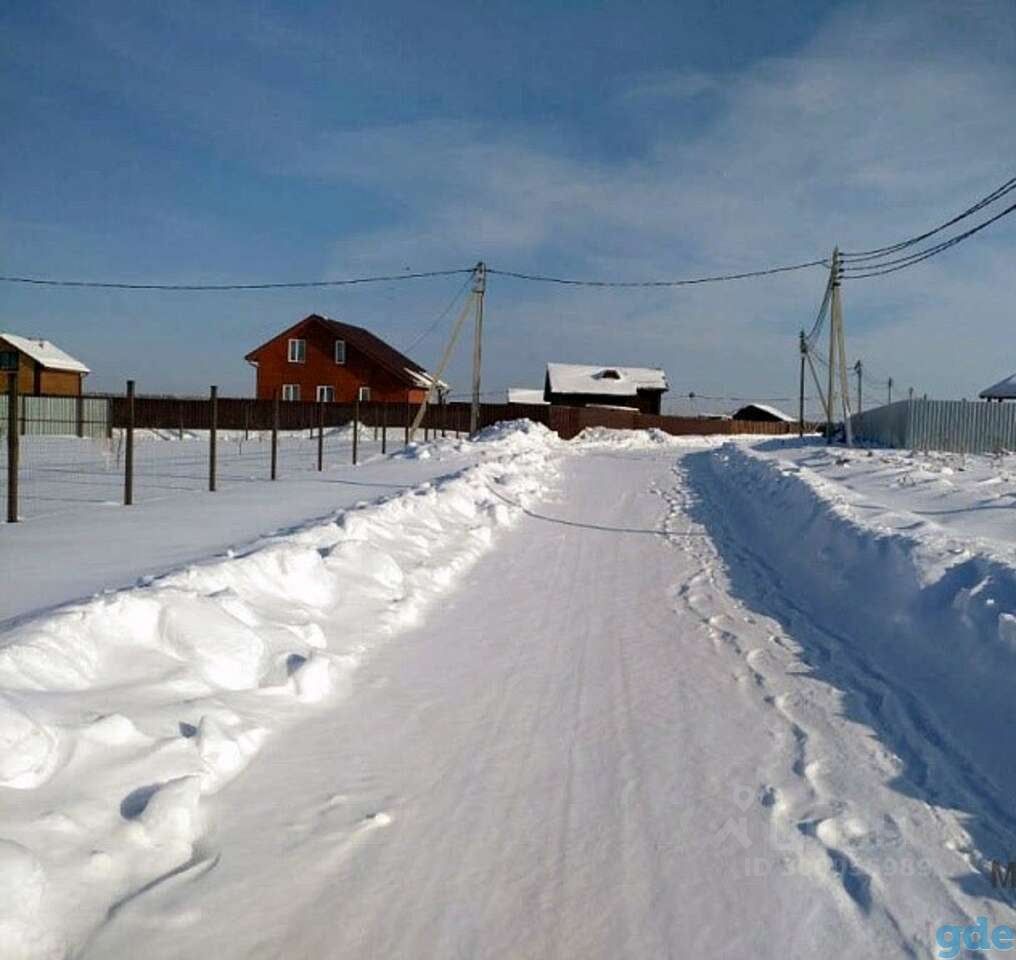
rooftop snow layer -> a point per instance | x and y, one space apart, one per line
44 353
608 381
525 395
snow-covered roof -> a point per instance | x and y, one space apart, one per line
772 411
1003 390
45 353
423 379
606 381
525 395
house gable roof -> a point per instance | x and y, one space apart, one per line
604 381
45 353
383 354
1003 390
774 412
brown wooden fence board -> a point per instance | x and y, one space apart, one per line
237 413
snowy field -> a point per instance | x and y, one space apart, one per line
627 696
61 475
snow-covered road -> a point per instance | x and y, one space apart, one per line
626 697
594 747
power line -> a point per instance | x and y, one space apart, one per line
901 263
444 313
995 194
116 285
859 265
539 278
823 311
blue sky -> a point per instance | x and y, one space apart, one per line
219 142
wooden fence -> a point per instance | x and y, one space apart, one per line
98 415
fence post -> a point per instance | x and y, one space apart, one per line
79 412
179 411
405 442
246 420
24 414
356 425
275 434
444 416
384 428
320 435
12 447
128 450
109 418
213 420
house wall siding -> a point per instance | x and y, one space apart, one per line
320 369
646 401
59 383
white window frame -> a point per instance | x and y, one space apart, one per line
340 351
291 391
363 394
325 393
297 350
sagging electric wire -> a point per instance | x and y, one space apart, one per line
691 281
294 285
985 201
902 263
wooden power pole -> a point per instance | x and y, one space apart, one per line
837 355
831 392
479 288
800 399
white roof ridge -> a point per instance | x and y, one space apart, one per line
44 352
589 378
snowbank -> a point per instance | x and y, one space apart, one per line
915 624
606 437
118 716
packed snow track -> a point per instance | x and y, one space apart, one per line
624 697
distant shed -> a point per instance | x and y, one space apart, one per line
42 367
762 412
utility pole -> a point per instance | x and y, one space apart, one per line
838 353
890 389
859 370
800 400
830 394
479 288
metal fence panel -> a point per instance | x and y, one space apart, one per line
59 416
959 426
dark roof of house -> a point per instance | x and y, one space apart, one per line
384 354
1003 390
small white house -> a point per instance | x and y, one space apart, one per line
530 395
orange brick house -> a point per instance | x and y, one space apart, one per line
42 367
323 359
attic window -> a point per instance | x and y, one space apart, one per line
297 351
609 375
340 351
